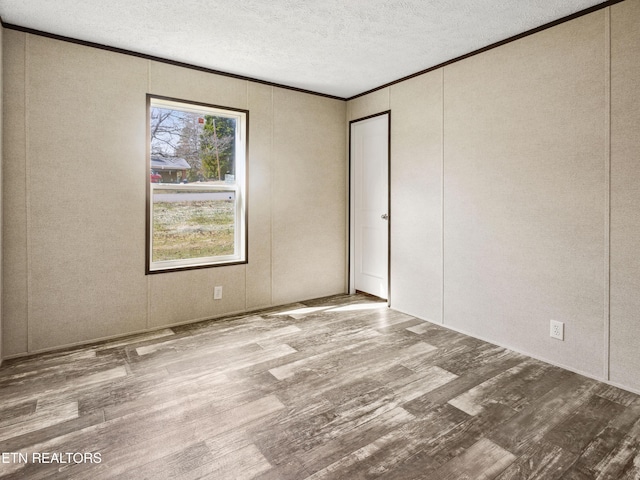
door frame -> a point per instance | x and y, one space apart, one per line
351 238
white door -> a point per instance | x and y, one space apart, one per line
370 206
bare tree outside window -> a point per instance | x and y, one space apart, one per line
206 142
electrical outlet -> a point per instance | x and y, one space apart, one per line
217 293
557 330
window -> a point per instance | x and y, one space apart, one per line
196 181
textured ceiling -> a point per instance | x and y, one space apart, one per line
336 47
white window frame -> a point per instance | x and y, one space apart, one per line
239 187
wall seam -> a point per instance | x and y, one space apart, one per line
442 201
246 206
27 189
607 245
148 313
271 209
347 248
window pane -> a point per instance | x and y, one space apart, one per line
196 207
191 146
191 224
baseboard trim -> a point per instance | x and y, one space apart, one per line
225 316
531 355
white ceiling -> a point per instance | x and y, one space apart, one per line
335 47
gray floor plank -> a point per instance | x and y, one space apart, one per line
542 415
334 388
484 460
540 461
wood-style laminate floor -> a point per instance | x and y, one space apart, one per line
337 388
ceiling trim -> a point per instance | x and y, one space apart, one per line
546 26
100 46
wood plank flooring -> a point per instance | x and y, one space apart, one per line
335 388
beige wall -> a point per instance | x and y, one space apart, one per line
501 193
74 164
416 195
525 193
304 188
514 195
1 229
625 193
14 199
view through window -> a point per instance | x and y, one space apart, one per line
197 177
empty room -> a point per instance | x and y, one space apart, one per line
320 240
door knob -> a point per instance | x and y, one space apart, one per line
384 216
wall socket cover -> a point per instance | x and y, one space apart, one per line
217 293
556 330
